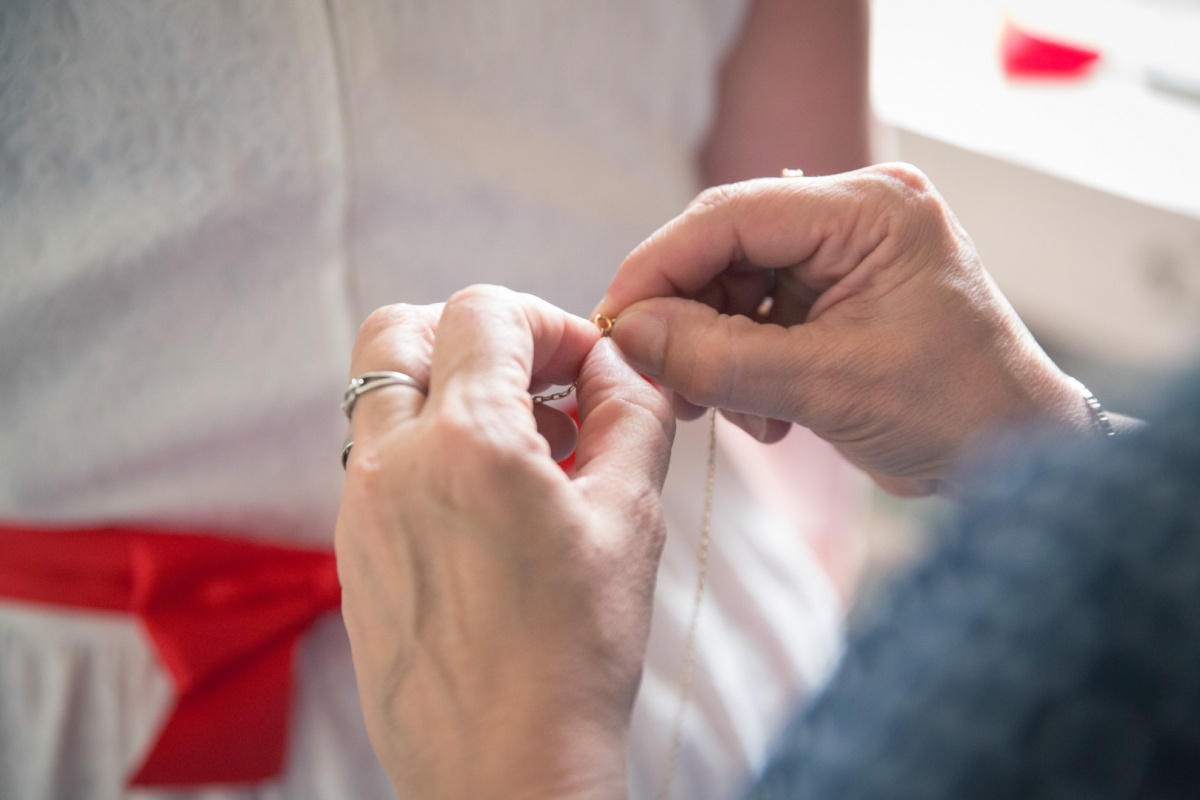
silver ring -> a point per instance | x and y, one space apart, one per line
376 380
346 450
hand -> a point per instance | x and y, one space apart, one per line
885 334
498 609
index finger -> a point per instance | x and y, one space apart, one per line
768 223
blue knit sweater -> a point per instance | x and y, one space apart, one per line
1048 648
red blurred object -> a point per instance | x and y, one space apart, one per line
1028 55
568 463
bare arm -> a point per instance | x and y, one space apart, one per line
793 93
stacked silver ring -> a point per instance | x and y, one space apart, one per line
368 382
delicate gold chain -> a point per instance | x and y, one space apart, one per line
689 655
686 672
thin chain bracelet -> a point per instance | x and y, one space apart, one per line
605 324
538 399
1096 410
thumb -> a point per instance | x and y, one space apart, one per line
625 431
717 360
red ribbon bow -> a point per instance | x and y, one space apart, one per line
224 616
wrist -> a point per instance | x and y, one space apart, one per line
569 768
526 740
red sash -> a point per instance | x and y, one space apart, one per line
224 617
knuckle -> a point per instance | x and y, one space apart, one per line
384 319
373 471
910 198
485 304
715 197
396 336
904 178
479 293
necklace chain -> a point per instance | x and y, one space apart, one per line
688 668
687 671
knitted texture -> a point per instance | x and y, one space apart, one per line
1049 646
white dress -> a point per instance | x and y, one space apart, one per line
199 202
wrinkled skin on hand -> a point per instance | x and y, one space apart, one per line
498 608
885 334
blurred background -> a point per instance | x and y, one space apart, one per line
1079 182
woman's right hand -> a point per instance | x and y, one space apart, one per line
885 334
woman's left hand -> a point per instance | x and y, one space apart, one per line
498 608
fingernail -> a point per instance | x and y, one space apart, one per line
757 427
642 337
